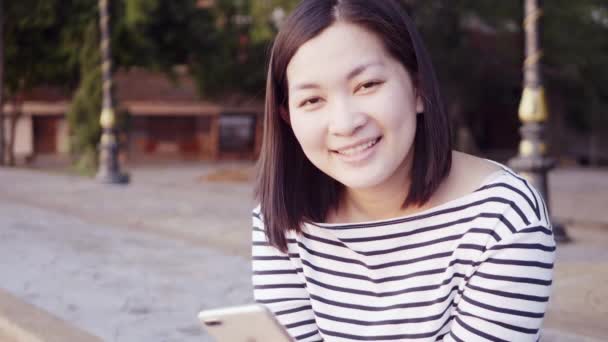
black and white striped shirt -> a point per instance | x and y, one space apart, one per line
478 268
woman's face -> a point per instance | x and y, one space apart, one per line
353 107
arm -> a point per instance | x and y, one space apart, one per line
278 285
506 296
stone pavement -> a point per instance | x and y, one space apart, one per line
579 195
118 284
129 263
136 263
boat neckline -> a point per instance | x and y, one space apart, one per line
418 215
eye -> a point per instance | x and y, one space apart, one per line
310 101
368 86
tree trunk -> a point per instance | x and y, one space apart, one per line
594 134
16 115
2 149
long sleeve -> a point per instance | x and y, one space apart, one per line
506 296
277 283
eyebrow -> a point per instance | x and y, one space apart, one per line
352 74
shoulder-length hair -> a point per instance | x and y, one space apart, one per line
290 189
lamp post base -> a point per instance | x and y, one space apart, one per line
109 168
112 177
559 232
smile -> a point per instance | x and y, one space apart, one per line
354 150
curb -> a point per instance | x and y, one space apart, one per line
23 322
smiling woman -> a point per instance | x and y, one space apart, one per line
352 108
369 226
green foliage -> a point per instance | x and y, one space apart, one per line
31 30
83 115
477 58
225 48
577 62
263 18
235 54
219 68
159 34
55 42
573 38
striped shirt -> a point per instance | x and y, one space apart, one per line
477 268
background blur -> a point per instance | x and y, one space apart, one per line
136 262
189 76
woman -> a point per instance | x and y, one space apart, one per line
369 226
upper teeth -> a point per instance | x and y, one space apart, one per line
358 148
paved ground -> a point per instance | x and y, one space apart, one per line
136 263
129 263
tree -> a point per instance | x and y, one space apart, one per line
153 34
1 83
577 65
477 58
53 43
83 115
232 64
476 46
156 35
31 28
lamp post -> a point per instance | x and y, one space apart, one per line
532 161
109 168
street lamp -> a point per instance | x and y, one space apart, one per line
109 168
532 161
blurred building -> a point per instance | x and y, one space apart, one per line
166 119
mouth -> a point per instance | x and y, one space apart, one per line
359 149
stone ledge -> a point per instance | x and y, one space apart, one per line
23 322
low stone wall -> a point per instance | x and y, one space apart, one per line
23 322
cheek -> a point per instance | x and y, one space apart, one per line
309 133
399 118
394 115
401 113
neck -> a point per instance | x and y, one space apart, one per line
379 202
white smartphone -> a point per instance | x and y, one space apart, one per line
246 323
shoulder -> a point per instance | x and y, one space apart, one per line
466 174
507 202
518 208
517 191
521 218
506 191
468 171
523 225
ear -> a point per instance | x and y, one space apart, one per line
284 113
419 102
418 94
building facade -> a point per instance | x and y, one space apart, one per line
166 120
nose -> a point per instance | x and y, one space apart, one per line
346 119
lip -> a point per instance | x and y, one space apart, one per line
360 157
360 142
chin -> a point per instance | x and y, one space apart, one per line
361 180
